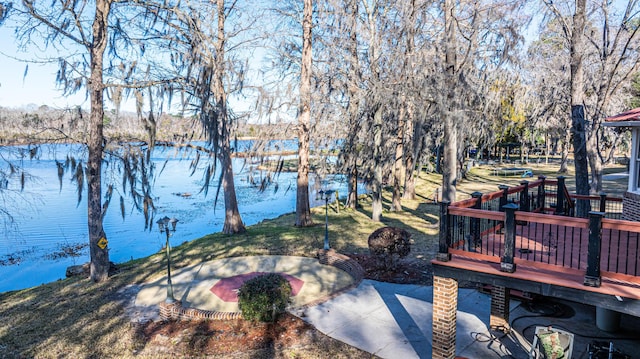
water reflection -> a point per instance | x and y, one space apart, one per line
50 231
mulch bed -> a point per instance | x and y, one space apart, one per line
407 271
288 337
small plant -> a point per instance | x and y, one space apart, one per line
264 297
388 245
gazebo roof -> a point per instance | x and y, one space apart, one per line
629 118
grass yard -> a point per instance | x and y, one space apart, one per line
76 318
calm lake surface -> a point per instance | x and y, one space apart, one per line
49 220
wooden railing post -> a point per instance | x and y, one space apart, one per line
443 245
592 278
603 202
541 194
474 223
505 196
524 197
560 200
506 263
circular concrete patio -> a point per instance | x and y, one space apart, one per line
207 286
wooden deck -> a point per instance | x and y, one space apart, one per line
509 239
565 243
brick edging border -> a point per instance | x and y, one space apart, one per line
175 310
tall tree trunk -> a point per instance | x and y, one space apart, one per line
564 152
303 209
232 219
353 106
577 108
412 153
450 143
439 160
398 167
595 165
376 185
352 199
375 112
409 149
99 251
547 148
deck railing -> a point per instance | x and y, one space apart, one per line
542 196
531 222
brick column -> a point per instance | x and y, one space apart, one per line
170 311
445 306
631 207
500 298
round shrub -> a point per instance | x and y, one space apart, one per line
264 297
388 244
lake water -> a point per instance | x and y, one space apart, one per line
49 219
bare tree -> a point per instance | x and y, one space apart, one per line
303 209
353 106
450 140
609 44
58 22
548 97
232 222
615 51
409 146
86 33
577 107
209 94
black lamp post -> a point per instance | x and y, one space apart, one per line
163 225
326 195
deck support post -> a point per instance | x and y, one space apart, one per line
541 194
474 223
504 199
506 263
445 307
592 277
443 240
560 200
500 298
505 196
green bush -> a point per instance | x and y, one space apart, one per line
264 297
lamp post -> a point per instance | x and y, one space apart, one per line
326 195
163 225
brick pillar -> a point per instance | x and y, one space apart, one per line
170 311
500 298
631 207
445 306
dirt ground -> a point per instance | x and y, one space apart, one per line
408 271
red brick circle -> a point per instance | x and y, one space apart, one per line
227 288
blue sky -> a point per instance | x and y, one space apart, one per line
38 87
